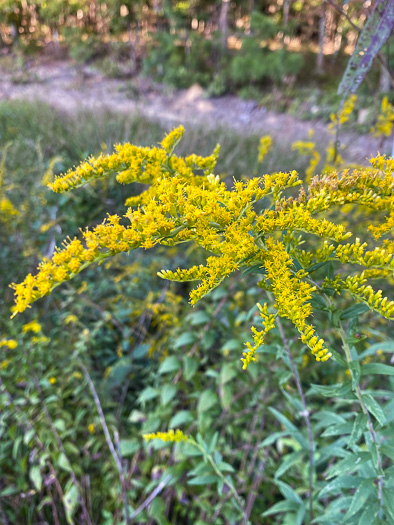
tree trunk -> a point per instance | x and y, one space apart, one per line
223 22
384 80
322 34
286 10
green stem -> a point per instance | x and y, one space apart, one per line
220 475
359 396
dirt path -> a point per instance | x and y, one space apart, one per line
68 87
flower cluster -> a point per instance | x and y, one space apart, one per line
344 113
268 322
384 124
171 435
253 223
265 145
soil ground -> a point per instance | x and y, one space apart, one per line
69 87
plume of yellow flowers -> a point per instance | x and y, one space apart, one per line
385 120
171 436
265 145
259 222
344 112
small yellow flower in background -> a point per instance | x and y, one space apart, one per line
171 435
52 380
82 288
33 326
40 339
47 226
7 209
9 343
92 428
344 114
264 147
384 124
348 373
77 375
71 319
4 364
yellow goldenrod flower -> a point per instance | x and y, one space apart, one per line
171 435
52 380
33 326
265 146
384 124
91 428
11 344
71 318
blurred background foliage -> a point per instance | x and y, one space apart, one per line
260 49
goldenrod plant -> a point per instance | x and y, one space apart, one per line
181 206
308 260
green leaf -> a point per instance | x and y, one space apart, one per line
28 436
388 503
207 400
288 492
63 462
359 426
157 510
170 364
227 373
198 318
225 467
202 468
283 420
60 425
377 368
387 451
36 478
226 396
181 418
338 430
167 393
369 514
203 480
141 351
349 464
339 483
147 394
70 503
282 506
255 268
290 427
300 515
274 437
360 498
288 462
336 390
185 339
190 367
374 408
354 311
128 447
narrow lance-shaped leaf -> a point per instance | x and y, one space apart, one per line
372 37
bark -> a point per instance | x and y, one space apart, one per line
322 34
223 21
